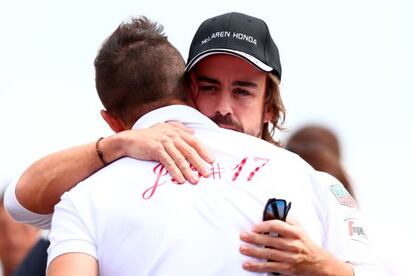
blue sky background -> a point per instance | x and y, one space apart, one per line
346 64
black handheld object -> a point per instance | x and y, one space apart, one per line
276 209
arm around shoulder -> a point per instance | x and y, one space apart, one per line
43 183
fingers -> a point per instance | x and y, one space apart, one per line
264 253
184 154
193 142
193 158
270 255
169 164
198 150
265 267
176 148
180 163
176 156
292 252
277 226
278 258
289 245
266 240
185 149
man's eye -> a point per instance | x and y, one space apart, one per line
242 92
207 88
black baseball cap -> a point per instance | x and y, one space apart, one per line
236 34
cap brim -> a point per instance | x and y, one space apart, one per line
254 61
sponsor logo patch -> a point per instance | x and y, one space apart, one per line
343 196
356 231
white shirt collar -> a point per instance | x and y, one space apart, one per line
182 113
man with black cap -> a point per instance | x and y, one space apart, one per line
224 42
239 96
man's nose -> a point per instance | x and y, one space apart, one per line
224 105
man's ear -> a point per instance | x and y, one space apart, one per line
114 122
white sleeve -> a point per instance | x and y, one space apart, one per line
21 214
69 232
345 234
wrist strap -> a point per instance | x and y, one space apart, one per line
99 152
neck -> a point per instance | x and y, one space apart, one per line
144 109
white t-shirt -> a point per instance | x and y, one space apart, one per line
135 220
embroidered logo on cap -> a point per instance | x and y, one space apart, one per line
234 35
343 196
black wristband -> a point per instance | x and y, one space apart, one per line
100 153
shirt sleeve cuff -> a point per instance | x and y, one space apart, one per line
21 214
70 246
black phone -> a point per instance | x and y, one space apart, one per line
276 209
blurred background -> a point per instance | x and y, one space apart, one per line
347 65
